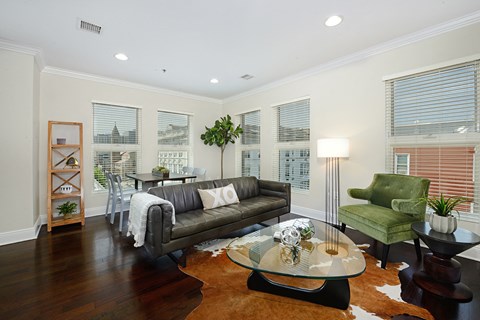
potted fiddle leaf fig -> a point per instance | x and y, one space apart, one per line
67 209
221 134
442 219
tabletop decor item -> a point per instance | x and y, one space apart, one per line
161 171
305 227
442 220
67 209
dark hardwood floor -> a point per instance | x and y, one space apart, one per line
95 273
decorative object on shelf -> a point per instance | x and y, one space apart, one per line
161 171
332 150
442 220
66 188
222 133
67 209
305 227
61 140
72 162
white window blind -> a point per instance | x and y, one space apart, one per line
292 144
174 140
116 143
248 149
433 130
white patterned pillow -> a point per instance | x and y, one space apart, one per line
218 197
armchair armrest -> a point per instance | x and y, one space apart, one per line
357 193
409 206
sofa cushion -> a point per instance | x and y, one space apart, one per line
246 187
196 221
258 205
218 197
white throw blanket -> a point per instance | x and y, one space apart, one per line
137 219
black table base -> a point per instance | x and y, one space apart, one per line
333 293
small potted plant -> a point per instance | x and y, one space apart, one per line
67 209
161 171
442 220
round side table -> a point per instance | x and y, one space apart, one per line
441 273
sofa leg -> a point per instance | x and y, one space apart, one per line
417 249
342 227
182 260
386 248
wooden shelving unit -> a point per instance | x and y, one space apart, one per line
61 174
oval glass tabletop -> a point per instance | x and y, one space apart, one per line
328 254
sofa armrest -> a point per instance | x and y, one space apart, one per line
409 206
357 193
275 189
159 224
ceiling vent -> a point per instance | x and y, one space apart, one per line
87 26
246 77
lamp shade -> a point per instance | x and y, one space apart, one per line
333 148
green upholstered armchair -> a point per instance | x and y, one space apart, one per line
394 203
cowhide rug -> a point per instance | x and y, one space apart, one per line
373 295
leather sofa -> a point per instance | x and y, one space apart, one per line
260 200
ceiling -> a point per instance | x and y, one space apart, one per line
195 40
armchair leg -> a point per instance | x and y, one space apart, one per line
386 248
342 227
417 249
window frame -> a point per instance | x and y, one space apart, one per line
242 147
282 144
116 147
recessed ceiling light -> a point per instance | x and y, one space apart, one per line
121 56
333 21
214 80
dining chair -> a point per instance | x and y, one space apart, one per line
119 195
187 170
200 173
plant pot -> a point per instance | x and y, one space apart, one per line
441 224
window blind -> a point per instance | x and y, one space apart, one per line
116 143
433 130
174 140
292 144
249 146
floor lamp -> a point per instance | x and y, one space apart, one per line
332 150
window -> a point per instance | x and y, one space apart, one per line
249 146
116 143
174 140
292 144
433 130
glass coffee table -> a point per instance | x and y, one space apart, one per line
328 255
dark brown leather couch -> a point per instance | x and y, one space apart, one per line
260 200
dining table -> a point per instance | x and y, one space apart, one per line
150 180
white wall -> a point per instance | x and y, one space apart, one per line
19 142
349 101
65 98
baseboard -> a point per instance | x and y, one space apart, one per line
309 213
15 236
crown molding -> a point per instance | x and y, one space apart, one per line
36 53
363 54
126 84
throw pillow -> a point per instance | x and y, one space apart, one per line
218 197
